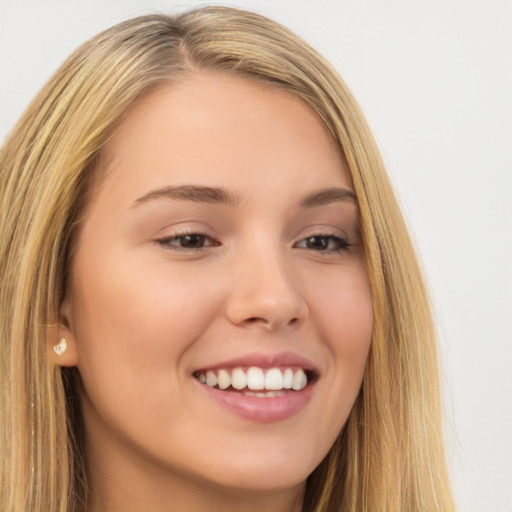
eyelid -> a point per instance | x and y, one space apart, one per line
327 230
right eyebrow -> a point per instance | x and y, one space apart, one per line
195 193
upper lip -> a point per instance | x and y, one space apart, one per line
262 360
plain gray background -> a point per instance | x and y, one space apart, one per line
434 78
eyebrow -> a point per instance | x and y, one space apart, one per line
194 193
214 195
327 196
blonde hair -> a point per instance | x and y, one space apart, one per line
390 454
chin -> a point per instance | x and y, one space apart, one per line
263 471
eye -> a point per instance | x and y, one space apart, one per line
187 242
324 243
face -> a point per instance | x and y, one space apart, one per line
218 304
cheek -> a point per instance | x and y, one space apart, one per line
352 327
350 324
144 295
344 305
344 308
134 323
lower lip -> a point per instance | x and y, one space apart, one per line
263 410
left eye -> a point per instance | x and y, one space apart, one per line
324 243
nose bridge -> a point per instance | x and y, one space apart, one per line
264 286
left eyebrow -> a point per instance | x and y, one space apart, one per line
327 196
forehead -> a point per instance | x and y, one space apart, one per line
217 129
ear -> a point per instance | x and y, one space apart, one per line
60 338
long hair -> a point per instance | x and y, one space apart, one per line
390 454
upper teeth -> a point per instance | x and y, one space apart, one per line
255 378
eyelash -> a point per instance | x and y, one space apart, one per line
172 243
341 244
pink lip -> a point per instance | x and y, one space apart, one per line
264 410
264 361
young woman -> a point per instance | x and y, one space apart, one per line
209 299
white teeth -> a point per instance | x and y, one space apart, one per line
299 380
274 379
267 394
238 379
255 379
211 378
272 394
224 379
288 378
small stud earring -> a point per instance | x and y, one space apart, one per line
61 347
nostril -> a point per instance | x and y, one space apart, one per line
254 320
257 320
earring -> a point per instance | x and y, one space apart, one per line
61 347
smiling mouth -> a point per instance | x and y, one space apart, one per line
256 381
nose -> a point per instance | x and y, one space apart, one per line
265 292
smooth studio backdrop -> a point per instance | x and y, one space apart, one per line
434 78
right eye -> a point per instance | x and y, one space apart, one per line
187 242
